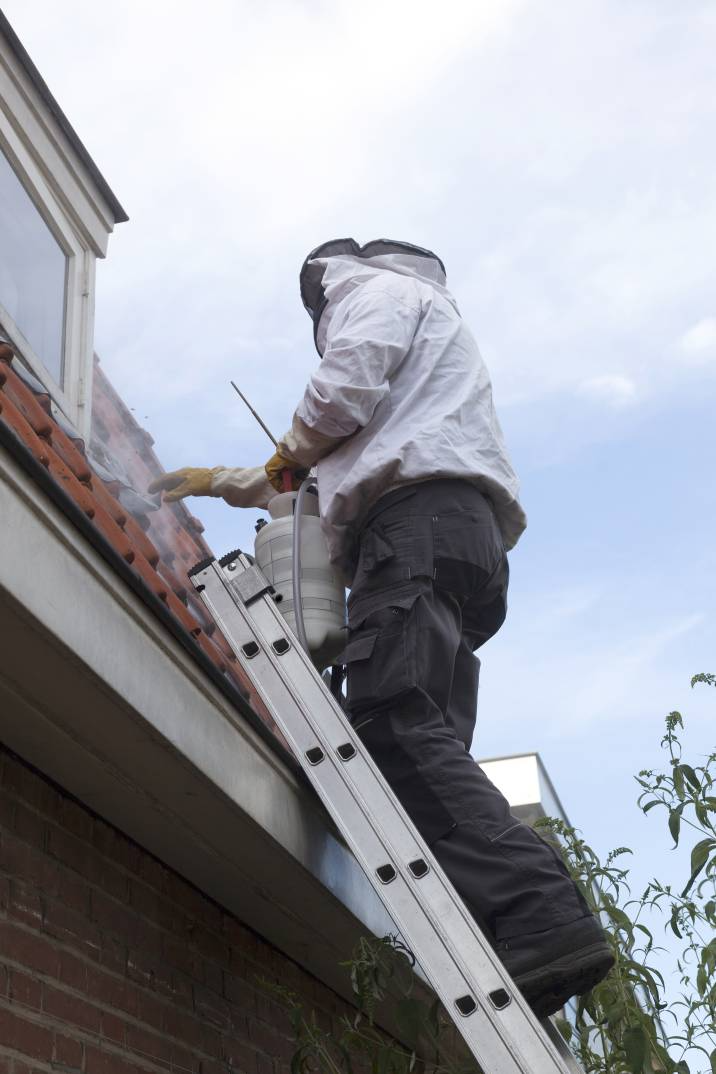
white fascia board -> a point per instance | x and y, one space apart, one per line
61 168
97 694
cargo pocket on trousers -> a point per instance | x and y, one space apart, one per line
381 653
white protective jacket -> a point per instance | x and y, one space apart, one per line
401 385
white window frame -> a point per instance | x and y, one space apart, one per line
71 395
77 206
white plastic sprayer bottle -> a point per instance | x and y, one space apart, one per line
322 596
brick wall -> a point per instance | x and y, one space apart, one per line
110 963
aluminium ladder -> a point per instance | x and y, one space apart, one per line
499 1028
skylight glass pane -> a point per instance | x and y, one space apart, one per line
32 272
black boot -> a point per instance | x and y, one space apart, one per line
552 966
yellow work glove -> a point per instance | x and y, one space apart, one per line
298 451
189 481
275 468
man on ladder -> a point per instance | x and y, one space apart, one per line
419 505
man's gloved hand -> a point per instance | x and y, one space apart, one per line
298 451
276 467
189 481
240 486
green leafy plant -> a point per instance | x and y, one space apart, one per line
688 794
615 1028
624 1025
381 972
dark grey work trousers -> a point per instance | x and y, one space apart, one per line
430 587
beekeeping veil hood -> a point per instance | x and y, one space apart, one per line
334 269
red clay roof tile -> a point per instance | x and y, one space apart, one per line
178 587
213 652
160 545
139 538
222 644
112 506
114 533
28 406
63 446
81 494
199 610
182 613
149 576
195 524
12 417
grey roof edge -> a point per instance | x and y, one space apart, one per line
542 770
63 122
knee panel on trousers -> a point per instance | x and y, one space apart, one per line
382 653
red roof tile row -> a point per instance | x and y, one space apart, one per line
159 546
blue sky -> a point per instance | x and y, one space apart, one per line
560 158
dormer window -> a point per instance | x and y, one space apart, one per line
33 277
56 214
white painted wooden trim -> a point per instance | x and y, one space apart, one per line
82 204
73 395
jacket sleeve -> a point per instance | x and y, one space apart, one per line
368 337
243 487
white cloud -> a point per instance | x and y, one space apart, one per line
591 677
550 177
613 389
698 344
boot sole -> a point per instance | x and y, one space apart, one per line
548 988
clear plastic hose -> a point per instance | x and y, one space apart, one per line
296 567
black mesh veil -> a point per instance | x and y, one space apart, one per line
311 277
